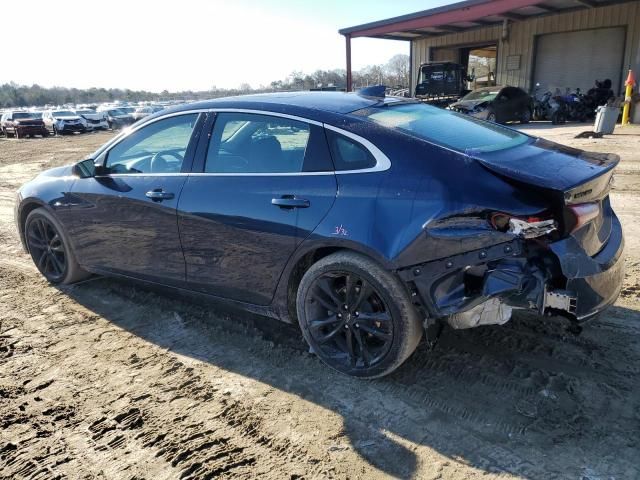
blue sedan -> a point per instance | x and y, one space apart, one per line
369 221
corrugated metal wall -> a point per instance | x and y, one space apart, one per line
521 39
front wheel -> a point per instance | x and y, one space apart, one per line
50 249
357 316
526 116
491 117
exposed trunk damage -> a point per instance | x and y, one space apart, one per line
567 260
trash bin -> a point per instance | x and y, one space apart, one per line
606 118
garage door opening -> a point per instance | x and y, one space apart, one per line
481 65
577 59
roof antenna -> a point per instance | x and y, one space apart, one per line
376 91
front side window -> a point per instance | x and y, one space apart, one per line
159 147
252 143
444 127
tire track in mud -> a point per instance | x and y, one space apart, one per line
230 442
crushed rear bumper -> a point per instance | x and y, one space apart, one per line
595 281
558 277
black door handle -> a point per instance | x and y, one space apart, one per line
158 195
290 201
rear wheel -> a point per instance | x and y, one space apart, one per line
49 248
491 117
356 316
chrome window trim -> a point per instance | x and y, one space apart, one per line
267 113
382 161
130 130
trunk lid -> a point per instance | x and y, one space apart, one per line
567 177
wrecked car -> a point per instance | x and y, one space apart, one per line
368 221
497 104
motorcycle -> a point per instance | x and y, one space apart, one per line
550 107
577 109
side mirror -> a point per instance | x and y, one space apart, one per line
99 170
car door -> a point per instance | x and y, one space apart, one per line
123 219
261 185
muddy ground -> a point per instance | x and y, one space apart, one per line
108 380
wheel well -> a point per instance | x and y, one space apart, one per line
24 213
298 272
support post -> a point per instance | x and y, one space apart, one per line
629 84
347 38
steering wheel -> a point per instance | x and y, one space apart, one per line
159 164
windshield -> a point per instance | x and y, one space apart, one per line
487 95
444 127
116 113
128 109
64 113
85 112
18 115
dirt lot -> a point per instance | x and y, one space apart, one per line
109 380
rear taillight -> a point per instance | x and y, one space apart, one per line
500 220
582 214
531 226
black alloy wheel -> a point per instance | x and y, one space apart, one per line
357 316
348 320
47 249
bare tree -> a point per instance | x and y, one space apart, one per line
397 69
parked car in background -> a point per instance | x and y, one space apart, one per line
22 124
61 122
312 208
142 112
128 110
116 118
93 120
497 104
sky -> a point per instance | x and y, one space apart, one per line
187 44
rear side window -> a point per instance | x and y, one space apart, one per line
348 154
253 143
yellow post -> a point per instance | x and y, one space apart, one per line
627 97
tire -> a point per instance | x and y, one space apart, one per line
4 133
50 250
381 324
526 116
55 130
16 135
45 133
491 117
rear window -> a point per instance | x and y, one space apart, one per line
444 127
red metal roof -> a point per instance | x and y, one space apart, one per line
463 15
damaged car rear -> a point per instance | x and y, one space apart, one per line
508 222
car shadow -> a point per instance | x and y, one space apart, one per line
526 398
